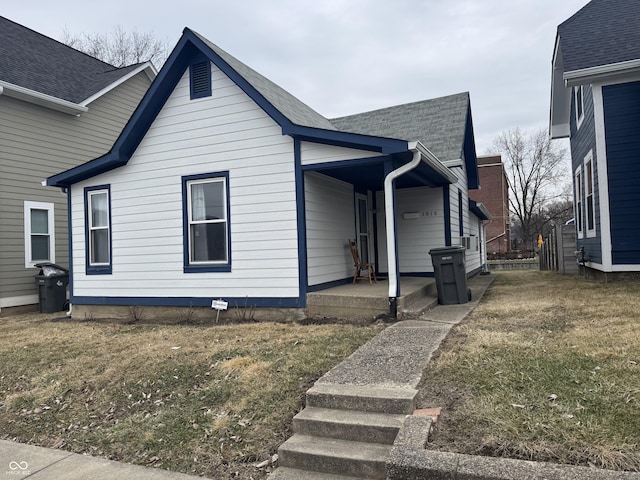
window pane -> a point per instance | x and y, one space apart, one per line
209 242
99 210
39 221
39 247
100 246
207 201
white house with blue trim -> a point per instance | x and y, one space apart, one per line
595 102
225 186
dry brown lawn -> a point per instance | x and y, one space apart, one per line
212 400
546 368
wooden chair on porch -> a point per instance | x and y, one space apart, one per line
359 266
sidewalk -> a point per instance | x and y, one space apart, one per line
20 461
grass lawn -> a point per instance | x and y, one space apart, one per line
547 368
209 400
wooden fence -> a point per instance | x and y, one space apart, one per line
558 250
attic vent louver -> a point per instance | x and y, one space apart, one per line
200 74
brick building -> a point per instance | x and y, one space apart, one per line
494 194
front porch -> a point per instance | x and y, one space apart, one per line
363 301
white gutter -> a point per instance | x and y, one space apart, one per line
42 99
146 67
420 153
590 74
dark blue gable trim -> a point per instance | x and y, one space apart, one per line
261 302
190 47
469 152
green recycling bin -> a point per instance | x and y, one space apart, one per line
52 281
450 275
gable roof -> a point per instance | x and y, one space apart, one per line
603 32
294 117
32 62
442 124
600 41
439 124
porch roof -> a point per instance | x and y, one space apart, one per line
369 173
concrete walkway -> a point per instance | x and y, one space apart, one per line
354 412
392 360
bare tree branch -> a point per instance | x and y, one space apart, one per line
534 171
120 48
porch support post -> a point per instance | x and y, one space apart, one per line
390 219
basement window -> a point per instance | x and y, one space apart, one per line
200 79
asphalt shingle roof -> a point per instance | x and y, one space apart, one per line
296 111
36 62
439 124
601 33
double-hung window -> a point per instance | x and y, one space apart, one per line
578 193
206 223
39 237
589 198
579 103
98 229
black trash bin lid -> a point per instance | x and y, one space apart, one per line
49 269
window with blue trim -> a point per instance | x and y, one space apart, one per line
207 245
98 229
200 79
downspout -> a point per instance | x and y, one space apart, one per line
389 212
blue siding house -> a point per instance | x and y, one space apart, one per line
595 102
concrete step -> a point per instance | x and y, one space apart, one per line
348 425
364 398
339 457
284 473
420 306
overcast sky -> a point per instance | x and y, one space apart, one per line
349 56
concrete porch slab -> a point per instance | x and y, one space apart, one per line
364 301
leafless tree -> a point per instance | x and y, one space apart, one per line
120 47
533 164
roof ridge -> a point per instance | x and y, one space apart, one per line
401 105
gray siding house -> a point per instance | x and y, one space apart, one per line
595 102
58 108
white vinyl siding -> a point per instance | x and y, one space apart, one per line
224 132
330 224
416 236
472 255
39 233
318 153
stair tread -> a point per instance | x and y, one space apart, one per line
351 417
375 391
286 473
333 447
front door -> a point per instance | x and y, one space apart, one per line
362 227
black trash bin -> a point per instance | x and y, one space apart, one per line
450 274
52 281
